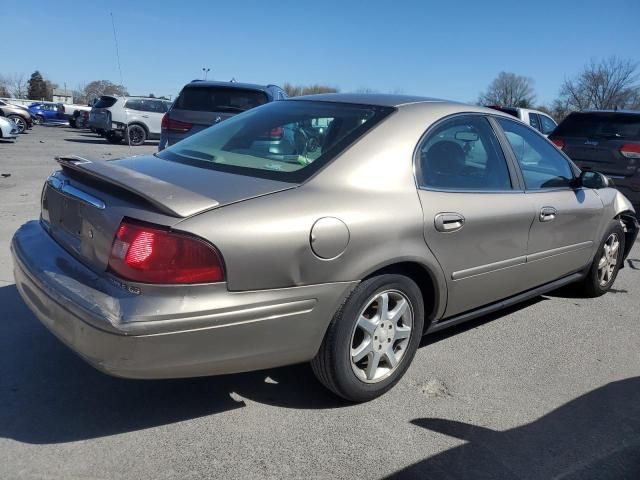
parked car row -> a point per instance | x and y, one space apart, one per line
20 115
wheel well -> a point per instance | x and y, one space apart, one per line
630 224
423 278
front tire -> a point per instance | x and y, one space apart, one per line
372 338
19 121
606 264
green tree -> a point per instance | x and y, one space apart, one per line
37 87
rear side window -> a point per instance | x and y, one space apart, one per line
463 154
219 99
600 125
145 105
548 125
105 102
541 164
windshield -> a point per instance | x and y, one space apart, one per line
219 99
286 140
604 125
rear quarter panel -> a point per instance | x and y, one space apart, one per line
265 242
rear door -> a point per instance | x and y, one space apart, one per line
594 139
476 216
562 236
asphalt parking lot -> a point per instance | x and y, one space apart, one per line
549 389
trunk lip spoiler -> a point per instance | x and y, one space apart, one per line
183 203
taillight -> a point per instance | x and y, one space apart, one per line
630 150
276 133
173 125
558 143
147 254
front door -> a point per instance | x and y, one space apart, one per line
476 217
562 237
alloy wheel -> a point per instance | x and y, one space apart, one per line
136 134
20 123
609 259
381 336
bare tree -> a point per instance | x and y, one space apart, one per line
608 84
509 90
17 85
98 88
297 90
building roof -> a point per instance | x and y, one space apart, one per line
61 92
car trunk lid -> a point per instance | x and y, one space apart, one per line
83 205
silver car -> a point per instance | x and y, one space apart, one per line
217 255
8 129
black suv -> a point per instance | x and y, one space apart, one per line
202 104
606 141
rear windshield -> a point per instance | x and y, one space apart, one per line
105 102
219 99
286 140
602 125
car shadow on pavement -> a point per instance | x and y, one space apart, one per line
50 395
595 436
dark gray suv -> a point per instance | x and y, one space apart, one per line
202 104
606 141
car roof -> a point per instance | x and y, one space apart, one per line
378 99
626 112
214 83
398 101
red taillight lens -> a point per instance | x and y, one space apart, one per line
169 123
276 133
151 255
630 150
558 143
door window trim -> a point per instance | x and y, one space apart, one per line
507 145
517 183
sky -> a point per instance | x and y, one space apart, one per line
445 49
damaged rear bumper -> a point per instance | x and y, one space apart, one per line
145 331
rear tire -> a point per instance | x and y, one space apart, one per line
39 120
136 135
606 263
114 138
355 362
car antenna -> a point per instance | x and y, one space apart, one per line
115 39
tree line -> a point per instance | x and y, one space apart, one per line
611 83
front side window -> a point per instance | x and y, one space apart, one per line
463 154
541 164
286 140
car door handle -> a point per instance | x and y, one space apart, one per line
547 214
448 222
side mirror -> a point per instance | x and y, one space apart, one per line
592 179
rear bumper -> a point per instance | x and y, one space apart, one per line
152 334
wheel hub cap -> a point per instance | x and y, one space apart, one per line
381 336
609 260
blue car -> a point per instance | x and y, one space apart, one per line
47 112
